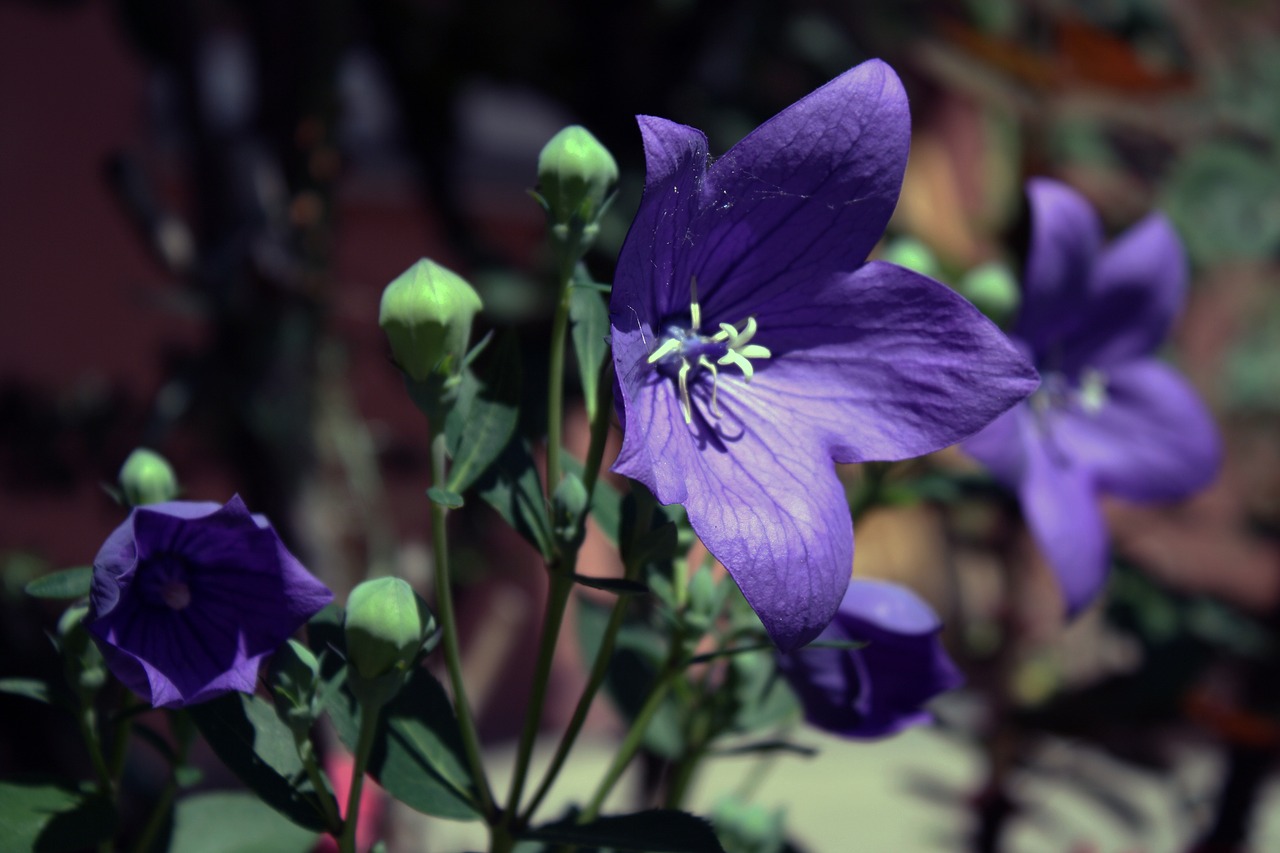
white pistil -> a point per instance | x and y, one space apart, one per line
1093 391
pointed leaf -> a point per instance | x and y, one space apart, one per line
653 831
29 688
251 740
618 586
68 583
513 488
53 816
484 418
590 340
417 752
201 825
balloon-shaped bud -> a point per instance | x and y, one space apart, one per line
993 290
387 624
576 174
426 314
147 478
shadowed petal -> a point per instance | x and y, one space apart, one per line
652 278
888 364
881 688
1066 236
1060 503
999 447
1138 288
1152 440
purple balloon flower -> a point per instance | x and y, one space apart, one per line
881 688
1109 417
754 345
188 597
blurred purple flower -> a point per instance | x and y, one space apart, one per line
754 345
881 688
188 597
1109 417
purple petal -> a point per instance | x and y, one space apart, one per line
888 364
648 286
1060 503
807 193
879 689
1138 287
761 494
1152 439
1066 237
244 595
999 446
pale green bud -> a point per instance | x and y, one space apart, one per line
993 290
426 314
911 253
387 623
575 176
568 508
147 478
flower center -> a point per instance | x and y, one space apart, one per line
1056 391
685 352
165 581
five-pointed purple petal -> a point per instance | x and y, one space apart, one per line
1109 416
189 597
759 259
882 687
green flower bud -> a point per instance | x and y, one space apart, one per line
575 176
426 314
993 291
147 478
911 253
387 623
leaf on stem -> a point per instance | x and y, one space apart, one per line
53 816
590 333
483 419
652 831
64 584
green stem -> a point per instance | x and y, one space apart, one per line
449 631
332 818
364 746
555 383
630 744
553 618
184 734
599 670
89 731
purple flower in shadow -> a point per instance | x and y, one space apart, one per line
881 688
754 345
1109 417
188 597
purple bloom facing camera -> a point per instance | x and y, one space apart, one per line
188 597
755 346
1109 417
881 688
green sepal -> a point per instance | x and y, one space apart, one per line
64 584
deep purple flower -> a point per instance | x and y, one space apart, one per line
754 345
188 597
882 687
1109 417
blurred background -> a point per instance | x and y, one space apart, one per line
201 200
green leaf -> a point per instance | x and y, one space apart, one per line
590 339
444 497
48 817
606 502
29 688
234 822
618 586
68 583
763 747
258 747
484 417
637 656
513 488
417 751
653 831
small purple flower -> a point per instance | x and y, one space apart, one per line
881 688
754 345
188 597
1109 417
